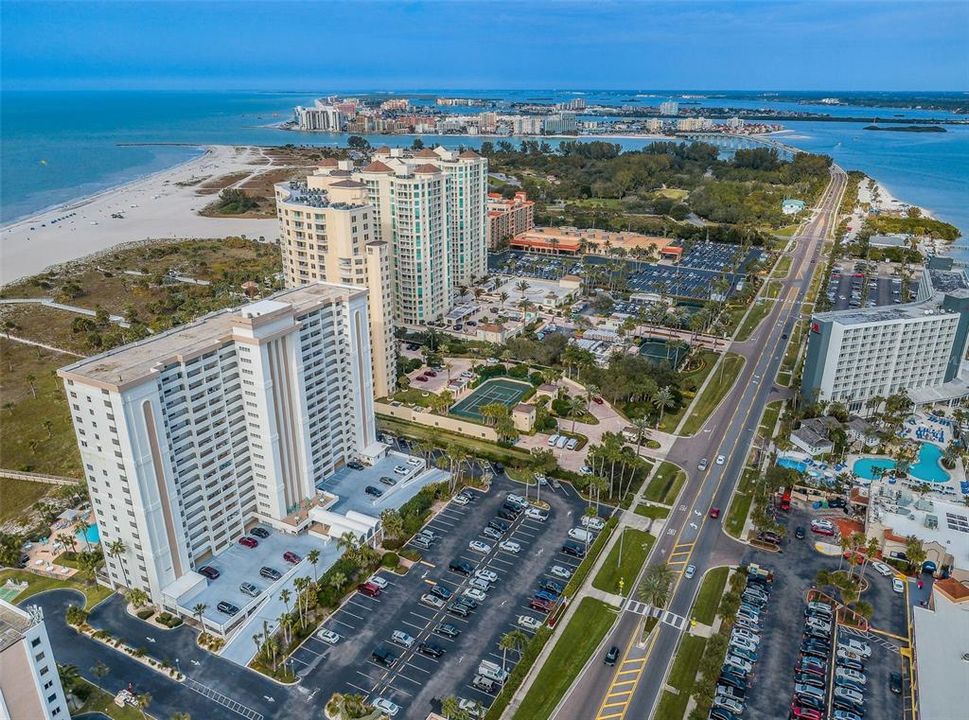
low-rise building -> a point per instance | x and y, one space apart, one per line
30 687
941 644
791 206
812 438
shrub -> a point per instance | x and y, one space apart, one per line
411 555
518 371
145 613
390 560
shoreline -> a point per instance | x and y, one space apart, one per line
160 205
83 200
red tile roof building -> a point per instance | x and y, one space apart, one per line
508 218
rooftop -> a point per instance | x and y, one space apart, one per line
14 622
137 361
941 644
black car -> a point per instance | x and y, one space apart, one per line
462 567
446 630
499 525
499 468
799 533
468 602
270 573
441 591
842 704
507 514
388 481
432 649
260 532
733 680
721 713
372 490
895 683
456 608
611 656
809 701
812 634
354 465
809 679
814 652
837 502
574 549
382 655
227 608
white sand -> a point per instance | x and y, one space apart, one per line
154 207
886 202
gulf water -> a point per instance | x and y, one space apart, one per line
57 147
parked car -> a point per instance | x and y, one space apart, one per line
540 605
881 568
227 608
446 630
431 648
270 573
560 572
373 491
369 589
863 649
500 525
592 522
529 623
461 500
432 601
401 638
536 514
383 655
247 588
490 532
291 557
462 567
510 546
248 542
386 706
401 469
210 572
388 481
475 594
260 532
440 591
479 546
897 585
852 696
328 636
574 549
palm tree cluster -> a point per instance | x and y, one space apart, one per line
615 464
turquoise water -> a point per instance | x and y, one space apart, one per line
91 535
926 467
57 147
793 464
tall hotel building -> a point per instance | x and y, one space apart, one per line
329 233
429 207
30 687
919 348
190 436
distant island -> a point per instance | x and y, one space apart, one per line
909 128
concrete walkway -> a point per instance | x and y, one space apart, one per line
48 302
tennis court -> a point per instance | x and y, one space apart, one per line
11 590
496 390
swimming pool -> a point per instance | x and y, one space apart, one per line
793 464
91 535
926 467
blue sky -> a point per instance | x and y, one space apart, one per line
343 44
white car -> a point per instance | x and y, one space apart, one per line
721 459
461 500
486 575
509 546
414 462
479 546
401 470
881 568
535 514
585 470
432 601
862 648
402 638
379 582
386 706
328 636
475 594
897 585
690 571
552 440
529 623
593 522
516 499
561 572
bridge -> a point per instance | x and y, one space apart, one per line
729 143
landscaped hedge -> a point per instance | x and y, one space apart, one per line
390 560
415 511
145 613
169 620
517 675
582 572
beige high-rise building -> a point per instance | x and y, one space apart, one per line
328 232
430 208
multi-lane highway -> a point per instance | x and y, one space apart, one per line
632 687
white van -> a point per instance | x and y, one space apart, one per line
561 442
553 439
492 671
580 534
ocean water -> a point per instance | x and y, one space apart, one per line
56 147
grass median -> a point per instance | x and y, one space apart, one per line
624 561
653 512
708 597
740 503
581 637
783 267
757 313
682 674
666 484
716 390
769 420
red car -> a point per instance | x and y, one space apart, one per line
430 373
541 605
714 512
597 400
369 589
803 713
210 572
291 557
248 542
421 378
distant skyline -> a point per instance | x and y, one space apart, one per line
822 45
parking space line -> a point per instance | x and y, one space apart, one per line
357 687
340 622
347 612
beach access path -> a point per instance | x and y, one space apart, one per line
162 205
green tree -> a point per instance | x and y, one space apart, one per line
117 549
392 523
662 401
654 589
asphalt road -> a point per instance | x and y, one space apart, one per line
633 686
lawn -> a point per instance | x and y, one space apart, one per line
652 511
715 391
681 677
783 267
103 702
757 313
740 503
19 495
441 438
666 484
769 420
773 290
27 441
708 598
39 583
694 378
789 362
635 545
578 641
413 396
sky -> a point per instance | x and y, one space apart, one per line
401 45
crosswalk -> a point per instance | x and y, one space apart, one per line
665 616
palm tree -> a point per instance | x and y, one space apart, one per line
654 589
116 549
514 640
392 523
662 399
301 584
142 702
80 528
137 597
313 556
577 406
598 484
915 552
30 383
350 544
642 432
198 611
99 670
337 581
284 620
450 707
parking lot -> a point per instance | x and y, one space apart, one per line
854 290
794 571
692 277
417 681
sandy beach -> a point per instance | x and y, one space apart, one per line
161 205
